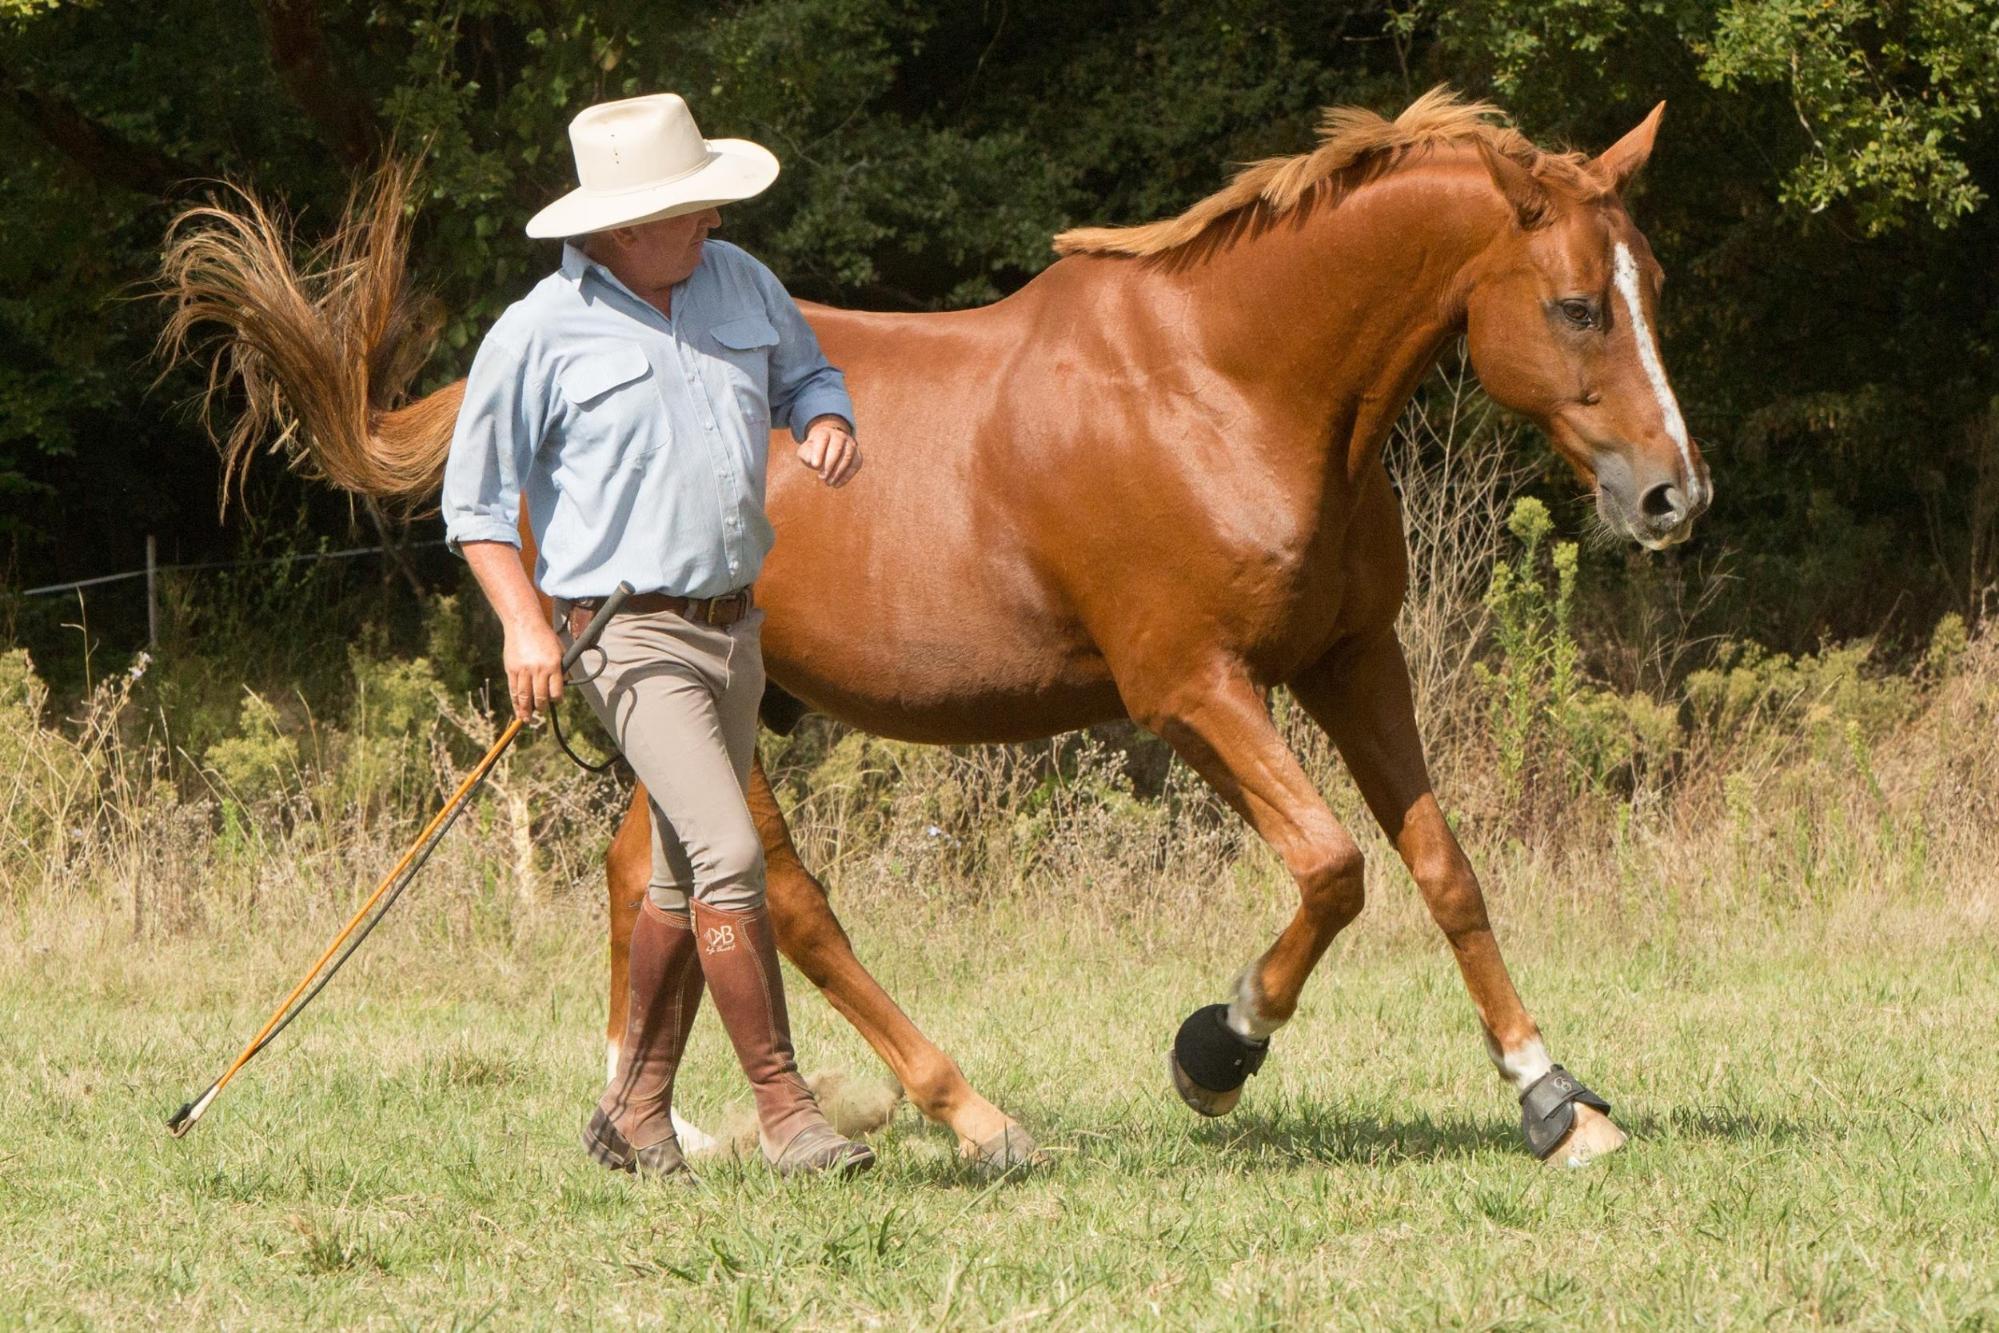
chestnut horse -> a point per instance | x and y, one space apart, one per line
1146 485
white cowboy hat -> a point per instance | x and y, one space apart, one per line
643 158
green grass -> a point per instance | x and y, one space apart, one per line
1812 1107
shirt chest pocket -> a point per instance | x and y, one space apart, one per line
609 410
741 351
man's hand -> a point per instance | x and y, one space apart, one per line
533 658
533 654
829 450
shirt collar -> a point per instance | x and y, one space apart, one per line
575 262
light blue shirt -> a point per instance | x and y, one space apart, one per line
639 440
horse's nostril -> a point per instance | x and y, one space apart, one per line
1663 506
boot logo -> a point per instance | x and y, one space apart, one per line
720 939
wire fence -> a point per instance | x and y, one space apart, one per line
152 569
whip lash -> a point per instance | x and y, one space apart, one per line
389 889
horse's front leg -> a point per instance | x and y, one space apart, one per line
1216 721
1361 697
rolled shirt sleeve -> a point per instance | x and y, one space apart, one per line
803 384
492 447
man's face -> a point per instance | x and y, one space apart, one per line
653 256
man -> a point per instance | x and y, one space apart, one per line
630 396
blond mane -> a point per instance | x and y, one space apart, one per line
1351 140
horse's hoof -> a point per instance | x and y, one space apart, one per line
1593 1135
1210 1061
1565 1122
1203 1101
1013 1148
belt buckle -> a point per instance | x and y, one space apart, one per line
738 602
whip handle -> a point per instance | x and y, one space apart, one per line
587 640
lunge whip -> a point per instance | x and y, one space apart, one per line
384 897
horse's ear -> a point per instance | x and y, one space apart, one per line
1529 198
1622 160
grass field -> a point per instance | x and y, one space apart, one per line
1812 1096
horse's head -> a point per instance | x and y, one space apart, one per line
1561 318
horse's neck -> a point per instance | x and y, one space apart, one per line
1334 318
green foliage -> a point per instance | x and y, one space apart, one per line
1557 734
956 809
1530 627
1816 196
456 638
1948 643
283 629
1001 814
35 764
22 693
1563 742
53 777
384 752
1882 100
1827 693
1887 91
259 761
22 11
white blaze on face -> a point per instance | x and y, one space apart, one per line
1624 273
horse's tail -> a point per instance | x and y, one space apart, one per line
322 349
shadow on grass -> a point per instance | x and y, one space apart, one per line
1326 1134
1693 1123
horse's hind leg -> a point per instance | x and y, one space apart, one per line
811 936
627 870
1361 697
1218 724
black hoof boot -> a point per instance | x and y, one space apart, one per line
1548 1109
1210 1062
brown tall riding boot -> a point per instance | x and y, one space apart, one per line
739 957
633 1127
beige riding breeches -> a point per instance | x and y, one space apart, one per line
681 698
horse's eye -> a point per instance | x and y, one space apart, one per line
1579 313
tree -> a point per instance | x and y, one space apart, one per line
1819 199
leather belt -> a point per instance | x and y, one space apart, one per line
720 612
